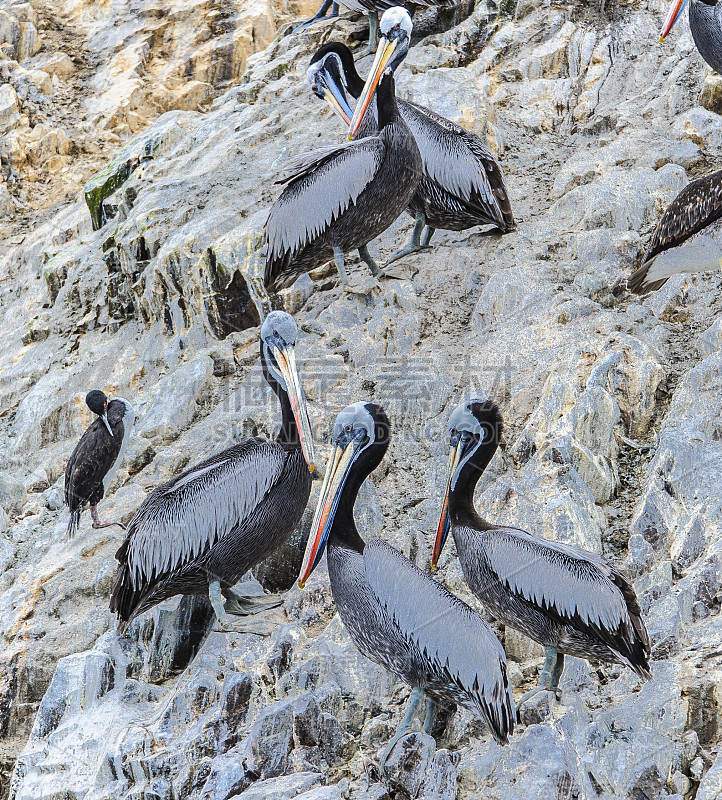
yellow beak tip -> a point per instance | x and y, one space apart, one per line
661 39
301 584
434 566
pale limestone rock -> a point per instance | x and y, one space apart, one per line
59 64
9 108
173 402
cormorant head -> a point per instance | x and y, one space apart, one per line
278 357
361 437
326 77
395 29
475 429
97 402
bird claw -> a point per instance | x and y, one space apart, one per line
99 525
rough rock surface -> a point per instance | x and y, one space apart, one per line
139 150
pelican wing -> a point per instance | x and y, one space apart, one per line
694 208
186 516
456 639
577 587
460 162
320 187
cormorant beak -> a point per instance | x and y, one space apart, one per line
675 9
335 96
104 417
285 356
342 458
383 56
459 451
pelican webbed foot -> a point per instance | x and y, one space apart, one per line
322 13
414 245
548 679
405 725
244 607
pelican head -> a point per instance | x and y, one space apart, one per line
278 356
97 402
475 429
675 10
395 29
360 439
327 80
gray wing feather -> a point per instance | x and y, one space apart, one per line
573 582
449 157
186 516
321 186
446 629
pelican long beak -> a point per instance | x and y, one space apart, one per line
286 360
104 417
675 9
456 454
337 470
383 55
335 96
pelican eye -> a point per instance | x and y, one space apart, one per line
348 428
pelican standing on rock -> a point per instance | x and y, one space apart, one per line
463 184
341 197
395 614
96 458
202 530
705 22
567 599
688 238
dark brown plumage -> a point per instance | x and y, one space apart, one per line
698 205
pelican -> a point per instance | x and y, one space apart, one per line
688 238
202 530
462 184
95 460
705 22
370 7
567 599
341 197
395 614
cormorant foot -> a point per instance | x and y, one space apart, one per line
98 525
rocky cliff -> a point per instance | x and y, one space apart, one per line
140 144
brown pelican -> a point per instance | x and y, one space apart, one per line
341 197
96 458
463 184
688 238
705 22
202 530
370 7
569 600
395 614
